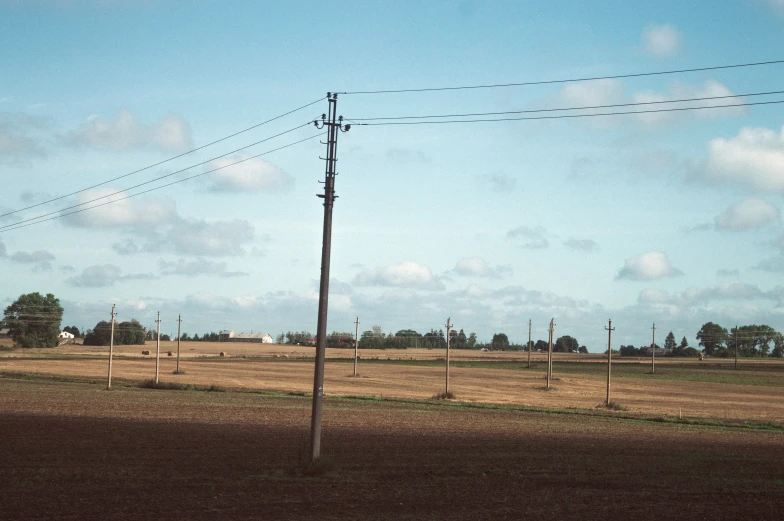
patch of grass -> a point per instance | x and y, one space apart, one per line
178 372
169 386
174 386
321 467
613 406
6 348
444 396
545 388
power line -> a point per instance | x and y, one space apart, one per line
570 80
14 225
572 116
564 109
19 225
164 161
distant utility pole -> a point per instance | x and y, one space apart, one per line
179 324
333 123
609 329
529 343
653 350
111 352
356 345
550 354
158 347
736 346
448 327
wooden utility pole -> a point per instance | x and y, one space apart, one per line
529 343
333 124
653 350
158 347
736 346
550 354
356 346
448 327
609 360
179 324
111 352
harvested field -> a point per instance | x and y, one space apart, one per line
74 451
692 389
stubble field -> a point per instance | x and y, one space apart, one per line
505 449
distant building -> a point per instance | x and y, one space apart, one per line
65 335
5 332
231 336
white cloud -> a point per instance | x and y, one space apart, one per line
772 265
648 266
755 157
251 175
530 238
216 238
478 267
661 40
138 213
598 93
586 245
197 267
406 274
104 275
171 134
18 136
500 183
41 259
747 214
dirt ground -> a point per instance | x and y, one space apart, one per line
75 451
473 384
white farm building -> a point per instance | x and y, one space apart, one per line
231 336
65 335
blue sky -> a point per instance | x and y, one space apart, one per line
673 218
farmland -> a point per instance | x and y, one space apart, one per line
75 451
696 440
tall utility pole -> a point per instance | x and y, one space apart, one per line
179 324
158 347
736 346
333 123
529 343
356 346
448 327
550 354
653 350
111 352
609 329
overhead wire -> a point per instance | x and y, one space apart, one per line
571 116
20 225
568 80
13 226
162 162
564 109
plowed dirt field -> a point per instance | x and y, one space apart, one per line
76 451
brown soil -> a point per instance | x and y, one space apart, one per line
74 451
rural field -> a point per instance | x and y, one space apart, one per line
696 440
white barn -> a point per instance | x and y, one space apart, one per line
65 335
231 336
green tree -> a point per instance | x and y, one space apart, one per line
669 342
500 342
712 337
566 344
34 320
583 350
540 345
471 341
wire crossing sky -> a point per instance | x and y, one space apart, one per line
623 162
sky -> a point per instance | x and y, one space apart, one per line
672 218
